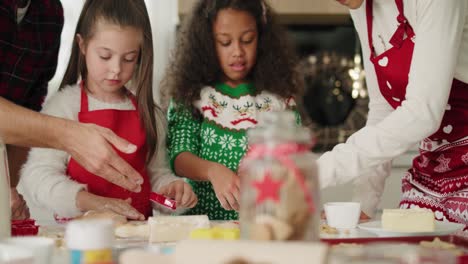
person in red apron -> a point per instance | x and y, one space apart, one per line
438 179
119 121
113 46
418 88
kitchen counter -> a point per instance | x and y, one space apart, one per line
351 236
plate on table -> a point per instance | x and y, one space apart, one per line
441 229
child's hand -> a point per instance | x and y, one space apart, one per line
181 192
226 185
364 217
19 208
86 201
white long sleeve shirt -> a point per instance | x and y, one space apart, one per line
43 177
440 54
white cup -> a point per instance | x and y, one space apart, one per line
10 254
40 247
342 215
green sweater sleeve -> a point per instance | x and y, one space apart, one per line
184 132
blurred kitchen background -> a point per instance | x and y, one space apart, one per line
335 99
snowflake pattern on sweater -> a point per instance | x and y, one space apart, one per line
220 134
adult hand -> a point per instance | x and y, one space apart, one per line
181 192
91 146
226 185
19 208
86 201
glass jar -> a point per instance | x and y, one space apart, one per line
279 182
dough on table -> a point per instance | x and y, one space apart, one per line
133 229
104 214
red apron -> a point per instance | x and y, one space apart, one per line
438 179
126 124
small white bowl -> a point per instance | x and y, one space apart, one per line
342 215
41 248
11 254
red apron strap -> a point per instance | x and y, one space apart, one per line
403 29
84 98
133 99
401 13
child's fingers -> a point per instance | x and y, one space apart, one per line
236 194
364 217
179 192
223 201
169 190
232 201
188 196
237 182
185 198
193 201
164 190
191 196
233 198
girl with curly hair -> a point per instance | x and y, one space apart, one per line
232 62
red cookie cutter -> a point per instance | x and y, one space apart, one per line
26 227
163 200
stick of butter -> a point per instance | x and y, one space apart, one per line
408 220
175 228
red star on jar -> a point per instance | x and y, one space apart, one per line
267 189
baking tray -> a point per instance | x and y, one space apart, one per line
457 240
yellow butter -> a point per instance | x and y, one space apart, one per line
216 233
408 220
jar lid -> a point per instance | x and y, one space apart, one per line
90 234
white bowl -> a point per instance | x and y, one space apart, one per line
342 215
41 248
10 254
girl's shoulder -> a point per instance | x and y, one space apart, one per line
64 103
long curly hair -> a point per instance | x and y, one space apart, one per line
195 64
125 13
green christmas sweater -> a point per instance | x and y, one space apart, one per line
220 135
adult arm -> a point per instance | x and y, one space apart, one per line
438 28
89 144
44 175
46 183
